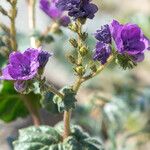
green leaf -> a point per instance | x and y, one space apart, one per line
48 138
41 138
68 102
11 103
48 104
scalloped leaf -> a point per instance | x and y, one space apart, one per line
68 102
48 138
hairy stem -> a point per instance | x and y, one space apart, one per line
67 114
54 91
101 68
12 25
33 110
32 25
67 117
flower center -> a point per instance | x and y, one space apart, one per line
25 70
129 44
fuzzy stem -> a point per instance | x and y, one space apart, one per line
33 109
101 68
12 25
67 117
31 19
32 25
54 91
67 114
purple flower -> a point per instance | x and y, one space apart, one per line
24 66
64 21
50 8
78 8
103 48
129 39
102 52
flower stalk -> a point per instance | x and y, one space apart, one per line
101 68
33 109
76 86
12 16
32 24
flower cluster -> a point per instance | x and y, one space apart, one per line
78 8
103 48
49 7
24 66
129 41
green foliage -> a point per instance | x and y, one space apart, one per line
11 103
125 61
2 60
68 102
48 138
48 103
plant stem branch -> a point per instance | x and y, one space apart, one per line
54 91
67 117
67 114
12 25
33 109
101 68
32 25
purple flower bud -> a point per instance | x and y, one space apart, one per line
20 86
64 21
78 8
103 48
102 52
43 58
129 39
104 34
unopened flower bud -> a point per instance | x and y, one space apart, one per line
73 27
73 42
84 36
82 20
71 59
64 21
93 67
80 70
20 86
3 11
83 50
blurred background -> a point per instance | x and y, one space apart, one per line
115 105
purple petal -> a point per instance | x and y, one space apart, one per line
5 74
138 57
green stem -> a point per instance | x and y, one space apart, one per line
33 109
101 68
67 114
12 25
32 25
54 91
67 117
